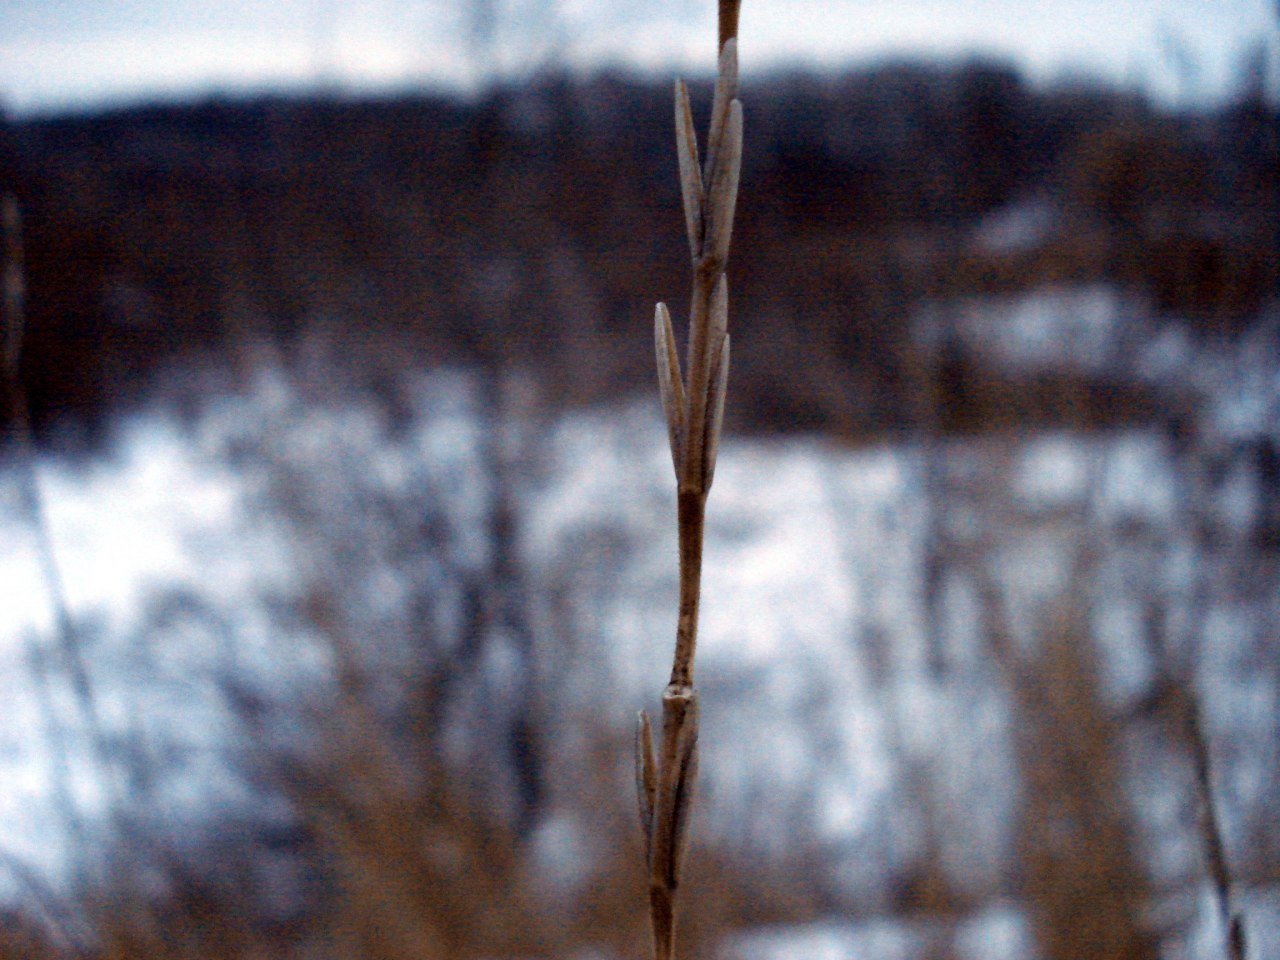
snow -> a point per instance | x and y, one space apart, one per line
1017 227
1057 327
999 933
815 651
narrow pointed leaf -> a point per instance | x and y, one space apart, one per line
690 176
688 781
723 196
715 412
719 315
726 93
670 385
679 778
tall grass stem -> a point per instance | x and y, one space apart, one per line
693 405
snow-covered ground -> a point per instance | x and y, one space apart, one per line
828 666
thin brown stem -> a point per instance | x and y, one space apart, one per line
694 408
729 19
692 509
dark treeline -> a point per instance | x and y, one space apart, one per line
539 224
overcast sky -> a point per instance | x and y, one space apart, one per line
72 54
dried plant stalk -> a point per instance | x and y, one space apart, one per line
693 405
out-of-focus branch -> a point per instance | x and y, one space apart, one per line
1211 834
70 644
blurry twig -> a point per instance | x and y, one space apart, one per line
694 409
63 927
70 644
1211 833
20 425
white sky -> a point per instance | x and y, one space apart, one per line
60 54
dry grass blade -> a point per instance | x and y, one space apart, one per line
723 196
690 177
719 314
715 412
670 385
670 825
680 756
726 93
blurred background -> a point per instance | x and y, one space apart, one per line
338 522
